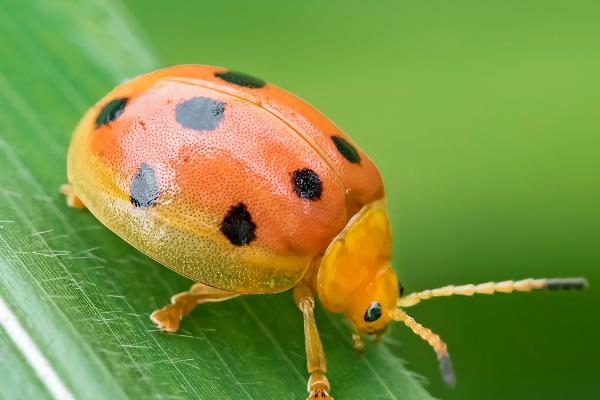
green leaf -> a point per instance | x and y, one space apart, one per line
73 295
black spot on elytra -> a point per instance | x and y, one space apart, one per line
144 189
346 149
241 79
238 226
373 312
111 111
307 184
200 113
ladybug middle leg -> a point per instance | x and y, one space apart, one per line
168 317
318 384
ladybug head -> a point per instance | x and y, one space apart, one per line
370 306
373 306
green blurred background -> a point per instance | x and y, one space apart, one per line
483 119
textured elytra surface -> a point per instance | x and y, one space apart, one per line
225 165
213 144
84 295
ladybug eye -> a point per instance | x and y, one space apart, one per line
373 312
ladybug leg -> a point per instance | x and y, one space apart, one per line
168 317
318 385
72 199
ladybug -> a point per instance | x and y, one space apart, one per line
246 189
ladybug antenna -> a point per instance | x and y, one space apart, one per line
525 285
440 348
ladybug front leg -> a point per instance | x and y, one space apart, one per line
72 199
318 385
168 317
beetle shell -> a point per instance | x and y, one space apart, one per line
219 176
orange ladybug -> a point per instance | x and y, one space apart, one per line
246 189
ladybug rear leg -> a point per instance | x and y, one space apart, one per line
72 199
318 384
168 317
